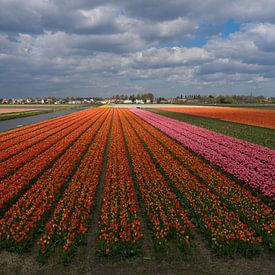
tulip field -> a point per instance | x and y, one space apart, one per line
250 116
251 163
132 176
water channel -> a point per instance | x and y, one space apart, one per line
6 125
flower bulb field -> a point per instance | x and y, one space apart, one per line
128 182
251 116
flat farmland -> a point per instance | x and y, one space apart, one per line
251 116
8 112
14 110
17 112
130 191
251 133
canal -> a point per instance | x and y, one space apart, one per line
6 125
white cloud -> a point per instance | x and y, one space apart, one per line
109 46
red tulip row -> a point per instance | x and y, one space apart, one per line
69 222
14 146
25 151
237 198
20 131
119 226
28 215
15 133
163 210
16 184
226 233
18 137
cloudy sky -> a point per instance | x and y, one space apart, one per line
101 47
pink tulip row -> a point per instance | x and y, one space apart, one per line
250 163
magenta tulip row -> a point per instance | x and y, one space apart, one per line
250 163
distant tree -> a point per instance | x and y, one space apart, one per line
147 96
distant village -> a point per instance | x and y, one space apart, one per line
146 98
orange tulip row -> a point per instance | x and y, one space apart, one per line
21 132
119 226
250 116
237 198
26 135
22 153
69 222
163 210
28 214
54 190
16 184
223 228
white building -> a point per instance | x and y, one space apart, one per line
127 101
139 101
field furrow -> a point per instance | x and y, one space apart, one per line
35 132
163 211
18 155
128 182
15 146
16 184
250 208
17 132
236 163
34 206
223 228
119 225
69 222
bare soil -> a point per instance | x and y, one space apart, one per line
201 260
